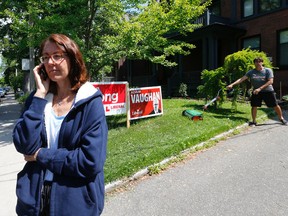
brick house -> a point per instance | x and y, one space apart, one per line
228 26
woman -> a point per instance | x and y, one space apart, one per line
63 135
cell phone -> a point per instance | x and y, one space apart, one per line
43 73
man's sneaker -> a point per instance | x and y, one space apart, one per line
283 121
252 124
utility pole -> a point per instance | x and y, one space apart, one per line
31 80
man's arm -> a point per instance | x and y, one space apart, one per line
240 80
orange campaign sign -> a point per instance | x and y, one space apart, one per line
114 96
145 102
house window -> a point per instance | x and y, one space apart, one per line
252 42
283 48
268 5
248 8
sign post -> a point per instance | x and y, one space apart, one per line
128 107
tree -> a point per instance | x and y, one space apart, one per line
16 82
2 65
106 30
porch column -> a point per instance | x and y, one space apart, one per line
212 52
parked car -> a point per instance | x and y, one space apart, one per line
2 92
19 93
7 88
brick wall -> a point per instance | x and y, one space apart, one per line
267 26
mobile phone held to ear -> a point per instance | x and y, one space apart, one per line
43 73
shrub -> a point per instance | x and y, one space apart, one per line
213 82
21 99
183 90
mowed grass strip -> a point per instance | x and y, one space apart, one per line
151 140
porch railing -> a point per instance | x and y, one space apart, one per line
208 19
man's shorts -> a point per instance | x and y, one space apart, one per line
268 97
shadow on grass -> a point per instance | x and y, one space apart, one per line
212 109
224 112
116 121
119 121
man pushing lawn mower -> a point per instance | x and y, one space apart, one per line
261 79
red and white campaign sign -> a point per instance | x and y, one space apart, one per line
145 102
114 96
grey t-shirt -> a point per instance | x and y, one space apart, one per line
259 78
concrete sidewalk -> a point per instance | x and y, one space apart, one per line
11 162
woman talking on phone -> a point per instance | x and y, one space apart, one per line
62 134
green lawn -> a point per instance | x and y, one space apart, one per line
151 140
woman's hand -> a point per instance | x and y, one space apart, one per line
42 86
229 87
32 157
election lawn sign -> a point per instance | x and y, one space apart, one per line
135 102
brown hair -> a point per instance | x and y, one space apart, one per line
78 73
258 59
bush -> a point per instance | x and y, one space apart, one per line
183 90
21 98
213 82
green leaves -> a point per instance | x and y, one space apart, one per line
238 63
106 31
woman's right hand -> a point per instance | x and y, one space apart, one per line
229 87
42 86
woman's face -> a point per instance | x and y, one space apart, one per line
56 62
258 64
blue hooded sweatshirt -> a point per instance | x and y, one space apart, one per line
77 165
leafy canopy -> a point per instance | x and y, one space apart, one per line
106 30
